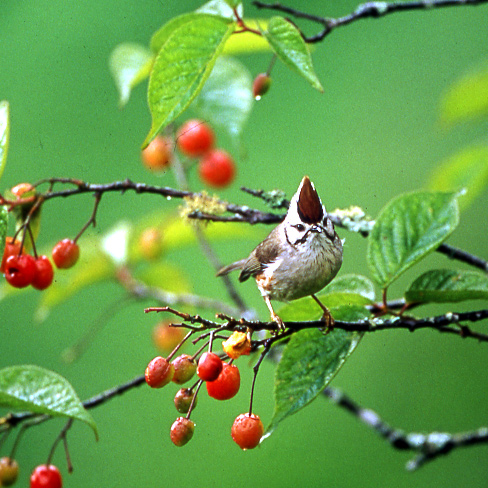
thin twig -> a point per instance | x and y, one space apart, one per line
363 11
428 446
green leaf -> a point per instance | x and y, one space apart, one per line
407 229
288 44
4 133
248 42
468 169
352 283
226 98
37 390
446 285
307 309
182 66
220 8
310 361
467 98
162 35
129 64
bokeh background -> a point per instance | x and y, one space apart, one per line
373 134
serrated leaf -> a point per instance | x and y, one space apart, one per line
310 361
467 98
468 169
288 44
226 98
307 309
3 227
221 8
182 66
34 389
4 133
352 283
446 285
407 229
129 64
161 35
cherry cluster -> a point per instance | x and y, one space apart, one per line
22 269
195 139
43 476
222 381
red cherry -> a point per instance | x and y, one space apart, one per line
20 270
158 154
260 85
183 399
194 138
247 430
44 273
46 477
209 366
9 471
185 368
181 431
159 372
226 385
12 248
66 253
217 169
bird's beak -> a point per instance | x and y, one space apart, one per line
316 228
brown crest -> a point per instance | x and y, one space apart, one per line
309 206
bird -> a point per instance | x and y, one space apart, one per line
298 258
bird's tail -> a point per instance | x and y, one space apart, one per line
231 267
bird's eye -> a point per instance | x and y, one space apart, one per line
300 227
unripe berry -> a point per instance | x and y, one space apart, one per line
20 270
226 385
181 431
209 366
194 138
261 85
159 372
46 477
44 273
12 248
183 399
166 337
158 154
151 243
66 253
247 430
217 168
9 471
185 369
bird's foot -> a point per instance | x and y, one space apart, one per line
279 323
329 322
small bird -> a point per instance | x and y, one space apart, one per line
298 258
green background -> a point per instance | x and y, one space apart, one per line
374 133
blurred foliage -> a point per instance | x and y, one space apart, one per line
362 151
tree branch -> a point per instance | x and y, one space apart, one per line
363 11
428 446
